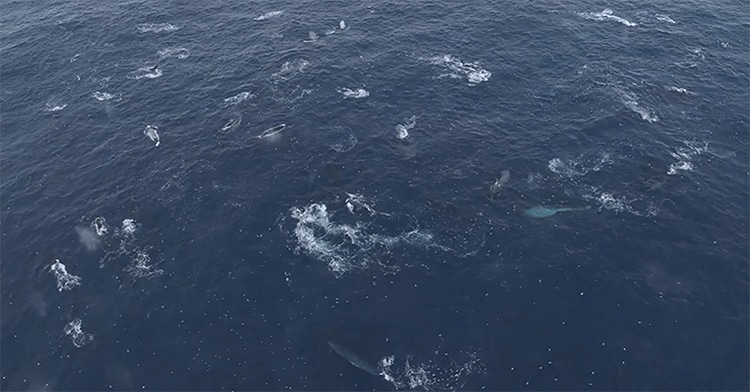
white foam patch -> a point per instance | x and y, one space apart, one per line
74 329
429 376
238 98
140 266
123 244
606 14
156 27
356 201
290 69
402 130
65 281
353 93
348 247
268 15
684 155
179 53
473 73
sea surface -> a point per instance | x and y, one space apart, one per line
374 195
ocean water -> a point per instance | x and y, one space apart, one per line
336 195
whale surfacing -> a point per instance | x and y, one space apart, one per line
272 131
152 134
354 359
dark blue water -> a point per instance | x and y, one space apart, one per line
379 231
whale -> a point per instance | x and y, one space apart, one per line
544 212
152 134
495 187
271 131
232 123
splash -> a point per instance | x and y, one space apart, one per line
357 93
65 281
429 375
349 247
684 155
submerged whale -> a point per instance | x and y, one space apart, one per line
354 359
544 212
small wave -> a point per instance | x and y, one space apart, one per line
402 130
180 53
65 281
268 15
679 90
51 106
156 27
473 73
74 329
664 18
349 93
606 14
